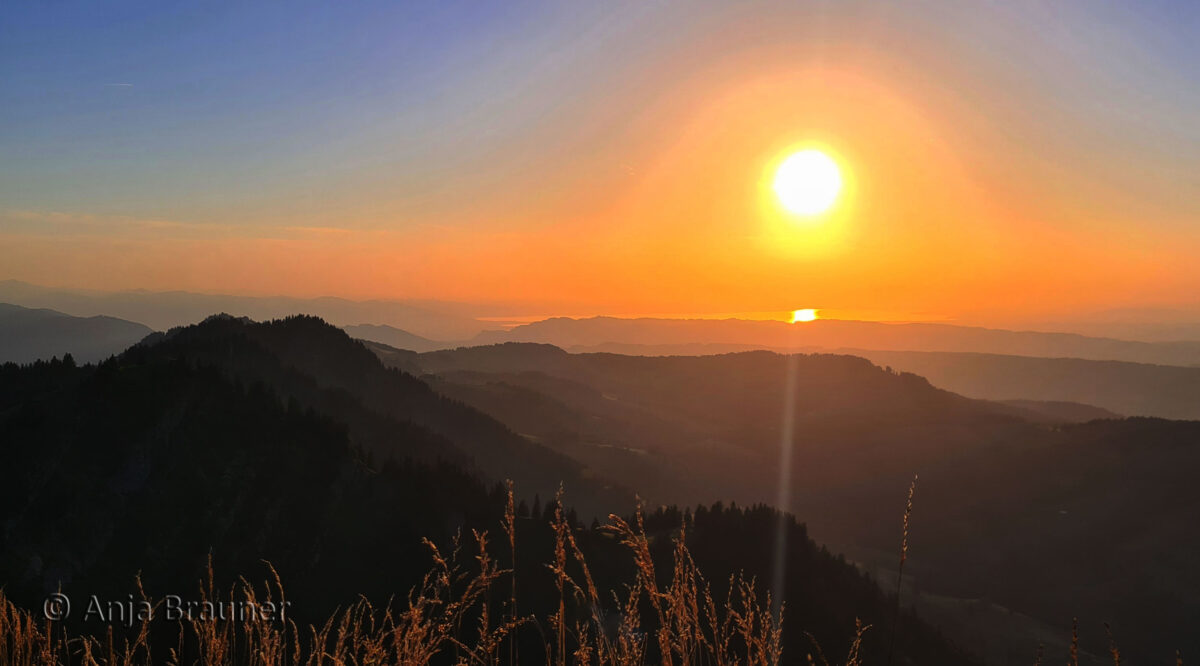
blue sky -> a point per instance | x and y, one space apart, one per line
131 106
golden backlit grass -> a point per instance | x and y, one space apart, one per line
453 617
458 615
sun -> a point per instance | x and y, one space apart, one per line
808 182
807 314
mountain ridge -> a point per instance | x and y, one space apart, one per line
567 332
29 334
164 310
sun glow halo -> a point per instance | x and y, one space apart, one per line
808 182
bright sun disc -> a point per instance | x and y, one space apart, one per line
807 314
808 182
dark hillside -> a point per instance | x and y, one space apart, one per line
321 367
1013 507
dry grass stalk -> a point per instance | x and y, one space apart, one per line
908 507
1074 642
450 617
1112 645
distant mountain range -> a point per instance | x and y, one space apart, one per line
1134 389
163 310
1113 387
29 334
394 337
438 324
835 334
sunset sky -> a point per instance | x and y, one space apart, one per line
1002 161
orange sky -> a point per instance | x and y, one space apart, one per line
973 191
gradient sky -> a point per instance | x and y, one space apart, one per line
1004 160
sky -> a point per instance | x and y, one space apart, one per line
1002 161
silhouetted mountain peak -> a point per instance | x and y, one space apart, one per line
390 412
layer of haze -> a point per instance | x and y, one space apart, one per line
1003 161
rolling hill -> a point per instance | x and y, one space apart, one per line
1112 387
1010 508
1136 389
30 334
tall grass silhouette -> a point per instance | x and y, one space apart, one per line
451 617
458 615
